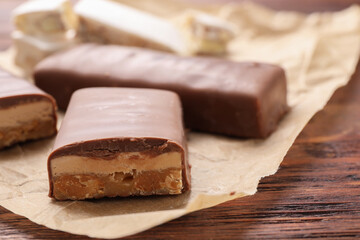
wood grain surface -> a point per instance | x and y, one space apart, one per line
315 193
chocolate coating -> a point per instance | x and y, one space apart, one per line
15 91
103 122
218 96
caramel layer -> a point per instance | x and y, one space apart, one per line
26 122
31 130
134 183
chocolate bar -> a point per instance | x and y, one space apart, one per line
204 33
26 112
45 19
31 50
218 96
110 22
119 142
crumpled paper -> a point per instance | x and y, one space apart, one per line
319 53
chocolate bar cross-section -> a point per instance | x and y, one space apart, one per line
26 112
119 142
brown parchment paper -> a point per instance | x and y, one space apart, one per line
319 53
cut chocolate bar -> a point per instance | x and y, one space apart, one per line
26 112
119 142
218 96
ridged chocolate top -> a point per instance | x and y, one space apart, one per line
100 121
14 91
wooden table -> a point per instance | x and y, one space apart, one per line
315 194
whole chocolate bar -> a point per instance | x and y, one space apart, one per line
26 112
119 142
218 96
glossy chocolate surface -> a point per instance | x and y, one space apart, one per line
218 96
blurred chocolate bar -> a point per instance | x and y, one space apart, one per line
31 50
205 34
43 27
45 19
110 22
